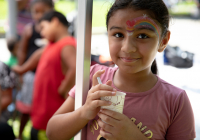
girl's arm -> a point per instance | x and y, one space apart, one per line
30 64
66 122
68 57
23 45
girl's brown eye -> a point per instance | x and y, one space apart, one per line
117 35
142 36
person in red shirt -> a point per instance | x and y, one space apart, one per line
56 68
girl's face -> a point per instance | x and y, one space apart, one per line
134 39
38 10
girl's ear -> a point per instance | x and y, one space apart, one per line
164 42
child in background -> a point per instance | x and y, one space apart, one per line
23 15
28 45
12 44
153 108
56 70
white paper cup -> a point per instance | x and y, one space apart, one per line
117 102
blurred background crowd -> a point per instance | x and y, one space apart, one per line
181 59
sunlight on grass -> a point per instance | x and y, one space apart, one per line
100 9
27 129
3 11
65 6
16 125
183 8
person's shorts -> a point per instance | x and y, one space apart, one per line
25 95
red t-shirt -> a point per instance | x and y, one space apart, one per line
163 112
46 99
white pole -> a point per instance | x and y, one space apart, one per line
12 18
84 32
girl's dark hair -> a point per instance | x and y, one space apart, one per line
54 14
156 8
47 2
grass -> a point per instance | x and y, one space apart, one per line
100 9
3 13
183 8
27 129
65 6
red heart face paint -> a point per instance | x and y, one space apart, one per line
143 22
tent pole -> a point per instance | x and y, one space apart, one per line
84 32
12 18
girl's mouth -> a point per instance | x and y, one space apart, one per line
128 59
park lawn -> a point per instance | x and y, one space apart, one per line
27 129
3 9
100 9
183 8
16 125
3 14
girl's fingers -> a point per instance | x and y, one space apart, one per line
101 87
111 120
107 127
109 83
109 113
97 74
98 103
105 134
101 93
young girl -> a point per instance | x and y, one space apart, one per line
153 108
30 42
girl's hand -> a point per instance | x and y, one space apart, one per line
93 102
118 126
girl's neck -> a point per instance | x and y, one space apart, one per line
134 83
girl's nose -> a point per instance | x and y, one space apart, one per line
129 46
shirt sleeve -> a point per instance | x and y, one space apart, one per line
72 92
182 126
